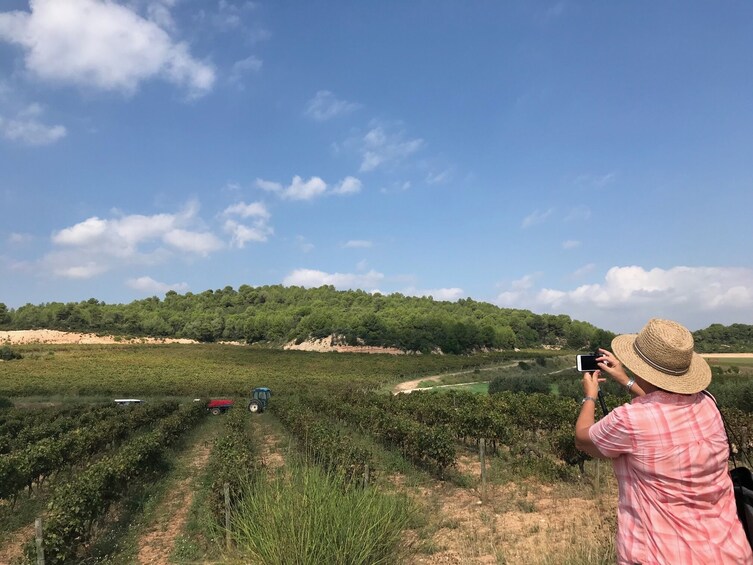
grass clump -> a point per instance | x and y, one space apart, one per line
305 515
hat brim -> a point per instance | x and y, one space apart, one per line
696 379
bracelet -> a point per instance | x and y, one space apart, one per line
587 398
630 384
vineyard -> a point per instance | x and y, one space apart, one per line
364 476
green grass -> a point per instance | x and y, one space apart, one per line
205 369
478 388
303 515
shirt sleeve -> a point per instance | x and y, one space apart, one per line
612 435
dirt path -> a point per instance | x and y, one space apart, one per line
273 443
157 543
12 549
410 386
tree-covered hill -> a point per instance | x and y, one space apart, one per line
737 338
277 314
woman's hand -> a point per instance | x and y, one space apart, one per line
591 384
608 363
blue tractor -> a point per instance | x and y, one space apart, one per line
259 399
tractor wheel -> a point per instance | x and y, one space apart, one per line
216 411
254 406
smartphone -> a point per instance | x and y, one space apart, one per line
586 363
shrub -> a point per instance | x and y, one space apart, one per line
5 402
7 353
521 383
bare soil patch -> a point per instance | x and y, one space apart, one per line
332 344
521 523
727 355
271 453
55 337
12 548
157 543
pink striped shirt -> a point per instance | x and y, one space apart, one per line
676 503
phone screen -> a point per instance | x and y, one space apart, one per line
586 363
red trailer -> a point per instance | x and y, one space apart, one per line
219 405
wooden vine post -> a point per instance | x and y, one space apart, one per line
482 459
39 538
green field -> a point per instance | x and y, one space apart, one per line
206 369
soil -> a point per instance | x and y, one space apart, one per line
270 448
331 344
156 544
520 523
12 549
55 337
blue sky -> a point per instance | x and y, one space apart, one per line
587 158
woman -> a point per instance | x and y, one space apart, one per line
669 451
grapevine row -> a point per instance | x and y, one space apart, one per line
76 505
232 460
432 448
53 428
323 442
39 460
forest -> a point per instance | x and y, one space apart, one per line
736 338
280 314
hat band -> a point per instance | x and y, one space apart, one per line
656 365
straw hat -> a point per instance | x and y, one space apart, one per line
662 354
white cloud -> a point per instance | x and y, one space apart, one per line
253 210
98 245
311 278
349 185
83 271
298 189
304 190
268 185
314 187
357 244
147 285
629 296
242 234
445 294
201 243
28 129
251 64
570 244
83 233
102 45
158 11
325 106
525 282
384 145
536 217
